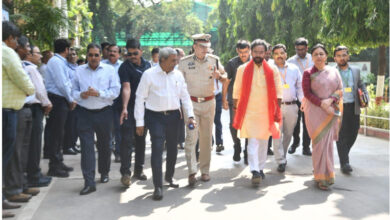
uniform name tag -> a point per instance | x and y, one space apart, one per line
348 89
286 86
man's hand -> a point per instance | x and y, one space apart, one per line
225 104
84 95
216 74
93 92
192 121
72 105
47 109
123 116
140 131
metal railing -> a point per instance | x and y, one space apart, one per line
364 126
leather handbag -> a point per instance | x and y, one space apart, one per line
363 99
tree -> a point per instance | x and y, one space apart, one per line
359 25
102 21
39 21
80 19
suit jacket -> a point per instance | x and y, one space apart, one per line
357 82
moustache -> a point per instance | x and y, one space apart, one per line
258 60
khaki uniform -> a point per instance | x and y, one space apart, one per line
198 76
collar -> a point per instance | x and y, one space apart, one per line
29 63
202 61
107 61
160 70
61 57
97 68
340 70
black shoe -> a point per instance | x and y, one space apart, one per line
66 168
282 167
69 151
270 152
76 149
42 181
104 178
157 194
262 174
171 183
8 205
346 168
219 148
306 151
292 149
57 173
256 178
140 176
236 155
87 190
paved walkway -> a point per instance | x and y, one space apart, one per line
229 194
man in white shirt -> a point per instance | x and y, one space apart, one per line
157 105
292 93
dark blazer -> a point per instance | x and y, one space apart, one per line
358 83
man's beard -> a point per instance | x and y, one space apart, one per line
343 64
258 60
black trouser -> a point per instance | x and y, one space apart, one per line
34 153
10 120
297 130
233 131
70 132
55 125
14 176
163 128
129 141
348 133
89 122
217 120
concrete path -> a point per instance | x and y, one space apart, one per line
229 195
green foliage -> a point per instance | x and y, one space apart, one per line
39 21
102 20
80 19
381 110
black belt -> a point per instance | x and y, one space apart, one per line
164 112
30 105
96 110
289 103
55 95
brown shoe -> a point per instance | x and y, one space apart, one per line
8 205
21 197
31 191
205 177
125 180
8 214
192 180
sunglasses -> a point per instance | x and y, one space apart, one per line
131 54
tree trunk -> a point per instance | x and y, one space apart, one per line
381 74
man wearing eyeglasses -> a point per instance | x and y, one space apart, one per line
94 86
303 61
130 73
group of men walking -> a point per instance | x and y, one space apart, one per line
121 101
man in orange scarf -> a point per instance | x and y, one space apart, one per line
257 96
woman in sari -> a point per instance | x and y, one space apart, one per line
322 88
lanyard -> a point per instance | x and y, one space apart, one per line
301 65
284 75
345 76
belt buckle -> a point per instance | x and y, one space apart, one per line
165 113
201 99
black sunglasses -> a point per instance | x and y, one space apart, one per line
131 54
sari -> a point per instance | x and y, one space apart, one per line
323 128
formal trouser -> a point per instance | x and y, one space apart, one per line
297 130
10 120
55 126
70 131
348 132
90 122
129 141
217 119
181 129
34 153
116 130
257 154
289 120
163 128
233 131
204 116
14 174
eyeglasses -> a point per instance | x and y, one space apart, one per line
93 55
131 54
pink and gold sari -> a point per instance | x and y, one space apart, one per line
323 128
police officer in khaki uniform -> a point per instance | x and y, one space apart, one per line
200 70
